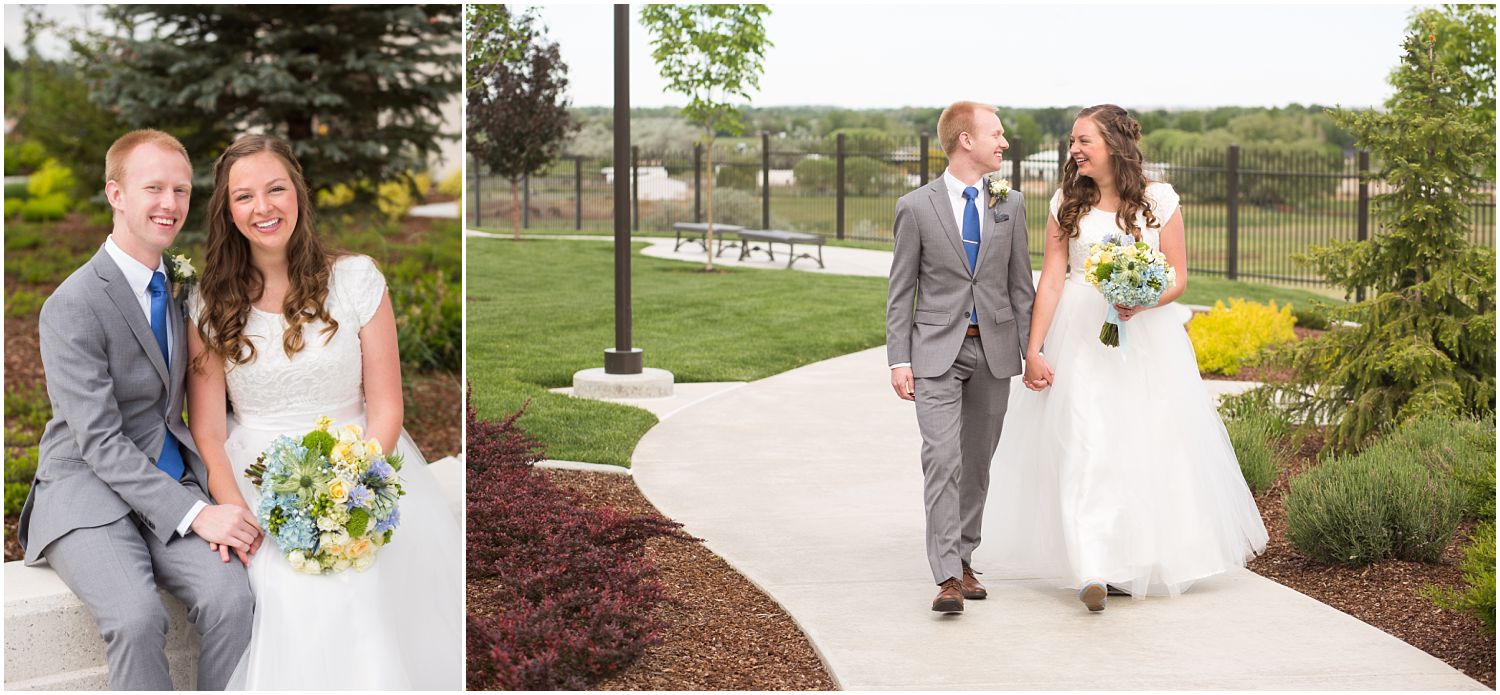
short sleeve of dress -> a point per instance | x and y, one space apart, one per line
194 304
1164 201
1056 203
360 286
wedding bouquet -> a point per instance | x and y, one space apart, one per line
328 500
1126 273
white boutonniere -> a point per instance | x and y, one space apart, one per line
998 189
182 273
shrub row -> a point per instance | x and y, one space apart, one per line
1403 497
577 595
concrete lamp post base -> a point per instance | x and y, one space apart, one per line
597 383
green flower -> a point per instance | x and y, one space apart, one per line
304 479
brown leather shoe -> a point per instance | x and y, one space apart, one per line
951 598
972 589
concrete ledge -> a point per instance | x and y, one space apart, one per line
53 643
580 466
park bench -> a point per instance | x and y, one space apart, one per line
791 239
698 232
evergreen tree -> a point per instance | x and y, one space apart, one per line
357 90
518 114
1425 340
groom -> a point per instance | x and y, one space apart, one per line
118 506
956 324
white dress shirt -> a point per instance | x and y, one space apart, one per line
138 276
956 199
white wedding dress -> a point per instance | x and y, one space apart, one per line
397 625
1121 471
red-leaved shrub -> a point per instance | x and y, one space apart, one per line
575 592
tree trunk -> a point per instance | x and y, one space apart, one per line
515 207
708 237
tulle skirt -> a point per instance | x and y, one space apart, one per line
1121 471
397 625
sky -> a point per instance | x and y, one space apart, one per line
1140 56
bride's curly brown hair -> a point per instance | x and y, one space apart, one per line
1122 135
231 284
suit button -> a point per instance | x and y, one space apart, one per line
966 314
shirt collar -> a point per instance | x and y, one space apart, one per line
136 273
956 187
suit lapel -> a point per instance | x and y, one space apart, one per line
937 193
178 369
987 228
118 291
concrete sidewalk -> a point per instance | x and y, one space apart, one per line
809 483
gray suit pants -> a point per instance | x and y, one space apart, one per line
960 414
116 570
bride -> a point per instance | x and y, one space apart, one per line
288 332
1118 476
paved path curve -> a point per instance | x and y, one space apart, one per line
808 483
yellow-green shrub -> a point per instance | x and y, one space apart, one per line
1226 337
393 198
52 178
453 186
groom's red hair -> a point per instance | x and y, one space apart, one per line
114 159
958 118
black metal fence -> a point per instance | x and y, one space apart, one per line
1248 210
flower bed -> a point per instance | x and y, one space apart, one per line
560 595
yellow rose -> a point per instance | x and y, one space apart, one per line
358 547
324 422
350 433
338 491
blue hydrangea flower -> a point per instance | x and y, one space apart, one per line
389 522
359 496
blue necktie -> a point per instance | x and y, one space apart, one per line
170 460
971 237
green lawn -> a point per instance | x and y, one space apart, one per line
538 311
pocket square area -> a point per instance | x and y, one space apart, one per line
1001 216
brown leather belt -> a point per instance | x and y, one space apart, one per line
973 331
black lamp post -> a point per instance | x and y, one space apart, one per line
622 359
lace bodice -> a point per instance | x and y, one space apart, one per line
321 378
1098 223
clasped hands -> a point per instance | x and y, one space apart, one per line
1038 374
229 526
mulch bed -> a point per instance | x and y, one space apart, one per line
724 633
1385 594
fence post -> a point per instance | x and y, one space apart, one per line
926 155
578 192
1363 231
1062 158
765 180
526 201
1015 165
1232 213
635 187
840 195
697 182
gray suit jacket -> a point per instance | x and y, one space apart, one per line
932 290
113 399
